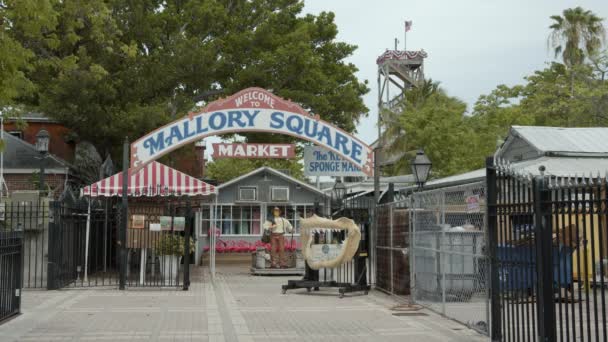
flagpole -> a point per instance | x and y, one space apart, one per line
405 37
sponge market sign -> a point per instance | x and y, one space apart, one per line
251 110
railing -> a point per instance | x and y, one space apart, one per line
11 260
548 255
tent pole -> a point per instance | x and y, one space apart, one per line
125 215
86 246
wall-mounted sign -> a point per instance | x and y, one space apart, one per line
473 205
155 227
165 222
251 110
224 150
179 223
138 221
321 162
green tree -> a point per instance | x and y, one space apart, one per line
224 170
576 35
116 67
431 120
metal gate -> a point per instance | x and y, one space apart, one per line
548 247
392 242
449 254
11 257
84 244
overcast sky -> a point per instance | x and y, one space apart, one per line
473 45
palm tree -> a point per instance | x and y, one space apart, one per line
576 35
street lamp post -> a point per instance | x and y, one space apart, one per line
421 168
42 146
339 191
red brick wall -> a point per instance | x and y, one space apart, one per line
17 182
58 146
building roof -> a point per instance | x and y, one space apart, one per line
577 141
273 172
33 117
554 166
463 178
21 157
154 179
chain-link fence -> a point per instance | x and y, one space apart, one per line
449 264
392 242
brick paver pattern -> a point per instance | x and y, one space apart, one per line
235 306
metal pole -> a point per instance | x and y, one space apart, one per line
2 183
544 260
187 234
122 242
41 185
86 246
405 38
492 235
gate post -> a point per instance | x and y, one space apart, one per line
122 232
187 234
52 268
492 235
544 260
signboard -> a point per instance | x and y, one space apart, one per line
138 221
318 161
179 223
325 252
224 150
473 205
165 222
251 110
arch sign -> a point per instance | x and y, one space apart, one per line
251 110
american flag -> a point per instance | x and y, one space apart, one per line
408 25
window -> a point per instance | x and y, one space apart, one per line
17 134
248 193
279 193
293 213
232 219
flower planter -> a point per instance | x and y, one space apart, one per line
170 268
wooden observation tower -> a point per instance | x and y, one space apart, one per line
398 72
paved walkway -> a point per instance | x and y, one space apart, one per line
236 307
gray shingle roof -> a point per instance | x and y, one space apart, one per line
19 154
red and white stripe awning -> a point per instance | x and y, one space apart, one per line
154 179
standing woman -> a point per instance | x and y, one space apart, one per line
278 226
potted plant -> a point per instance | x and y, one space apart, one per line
170 248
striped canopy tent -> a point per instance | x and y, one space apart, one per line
152 180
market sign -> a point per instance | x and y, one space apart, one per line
225 150
251 110
319 161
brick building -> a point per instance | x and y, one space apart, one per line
22 168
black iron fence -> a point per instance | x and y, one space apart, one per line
11 258
548 252
66 244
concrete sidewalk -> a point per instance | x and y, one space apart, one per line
236 307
